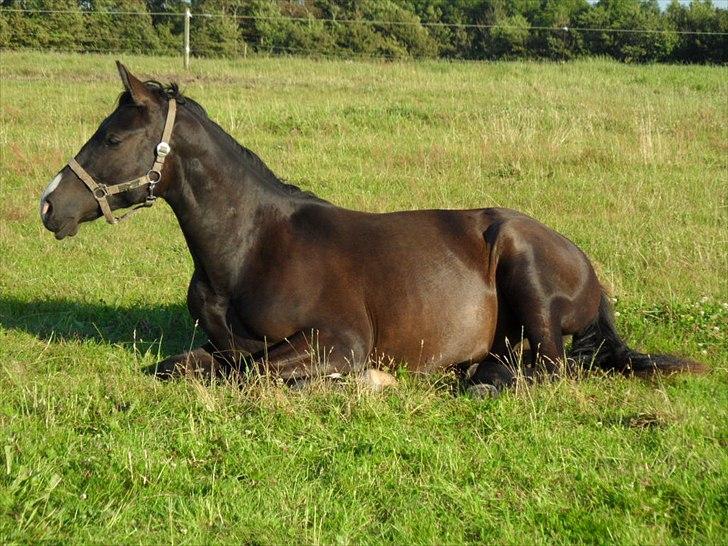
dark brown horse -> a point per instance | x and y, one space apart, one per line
279 272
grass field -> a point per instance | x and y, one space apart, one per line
630 162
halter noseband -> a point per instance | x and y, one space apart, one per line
153 176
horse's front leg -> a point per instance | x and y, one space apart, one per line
225 349
207 361
199 362
310 354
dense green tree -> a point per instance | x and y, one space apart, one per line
56 24
386 29
700 16
108 28
508 37
262 25
218 34
629 30
448 22
563 43
391 39
617 28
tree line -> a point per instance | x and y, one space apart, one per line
628 30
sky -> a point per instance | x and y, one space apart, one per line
664 3
720 3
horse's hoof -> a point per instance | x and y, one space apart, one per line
189 365
483 390
163 371
376 380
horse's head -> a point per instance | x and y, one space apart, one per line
120 164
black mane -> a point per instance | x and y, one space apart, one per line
253 162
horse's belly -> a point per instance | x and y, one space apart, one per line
440 328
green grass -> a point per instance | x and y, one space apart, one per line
628 161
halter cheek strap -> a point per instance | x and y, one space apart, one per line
102 191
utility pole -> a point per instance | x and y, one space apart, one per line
188 16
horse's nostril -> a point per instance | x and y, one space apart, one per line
45 209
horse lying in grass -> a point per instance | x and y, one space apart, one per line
281 274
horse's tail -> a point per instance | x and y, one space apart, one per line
599 344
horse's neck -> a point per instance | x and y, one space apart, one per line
221 205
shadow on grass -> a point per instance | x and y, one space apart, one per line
68 320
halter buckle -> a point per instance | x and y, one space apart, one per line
163 149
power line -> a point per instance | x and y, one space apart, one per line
88 12
442 24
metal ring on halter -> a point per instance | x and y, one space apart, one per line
154 179
100 191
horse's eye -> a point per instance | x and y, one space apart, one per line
112 140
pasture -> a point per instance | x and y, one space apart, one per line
627 161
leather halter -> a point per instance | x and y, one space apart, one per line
153 176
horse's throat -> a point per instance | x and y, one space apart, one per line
223 223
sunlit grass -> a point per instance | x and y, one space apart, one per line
627 161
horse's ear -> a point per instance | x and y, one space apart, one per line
138 91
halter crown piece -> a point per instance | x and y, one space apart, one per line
153 176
